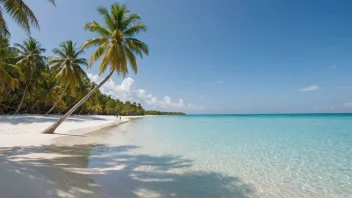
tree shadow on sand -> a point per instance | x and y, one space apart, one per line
116 170
15 119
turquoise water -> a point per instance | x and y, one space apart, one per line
229 156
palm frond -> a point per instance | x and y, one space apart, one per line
52 2
130 20
131 59
66 65
4 31
21 13
98 53
108 21
96 27
117 47
58 52
138 45
135 30
94 42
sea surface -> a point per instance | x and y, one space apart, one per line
210 156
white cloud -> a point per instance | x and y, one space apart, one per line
166 102
348 104
127 91
93 77
147 98
311 88
333 66
121 91
220 81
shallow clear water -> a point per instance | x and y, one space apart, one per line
229 156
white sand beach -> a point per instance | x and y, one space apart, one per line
28 158
24 130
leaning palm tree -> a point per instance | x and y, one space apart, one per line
31 61
67 66
19 12
117 47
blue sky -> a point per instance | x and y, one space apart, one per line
237 56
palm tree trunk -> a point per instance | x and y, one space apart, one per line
80 112
22 99
37 105
57 102
24 94
13 97
53 127
31 108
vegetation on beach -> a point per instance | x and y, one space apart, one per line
33 83
153 112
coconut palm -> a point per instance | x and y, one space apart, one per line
8 71
49 92
110 107
19 12
31 61
82 91
117 47
95 108
67 66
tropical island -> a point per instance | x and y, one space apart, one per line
32 83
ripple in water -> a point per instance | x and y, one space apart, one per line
230 156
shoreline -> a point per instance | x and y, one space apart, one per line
25 130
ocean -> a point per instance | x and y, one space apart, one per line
200 156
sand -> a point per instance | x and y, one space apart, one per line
41 165
24 130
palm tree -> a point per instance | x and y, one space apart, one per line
67 66
8 71
19 12
31 61
82 91
110 107
95 108
49 92
117 47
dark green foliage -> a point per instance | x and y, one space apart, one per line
41 97
153 112
45 88
24 68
